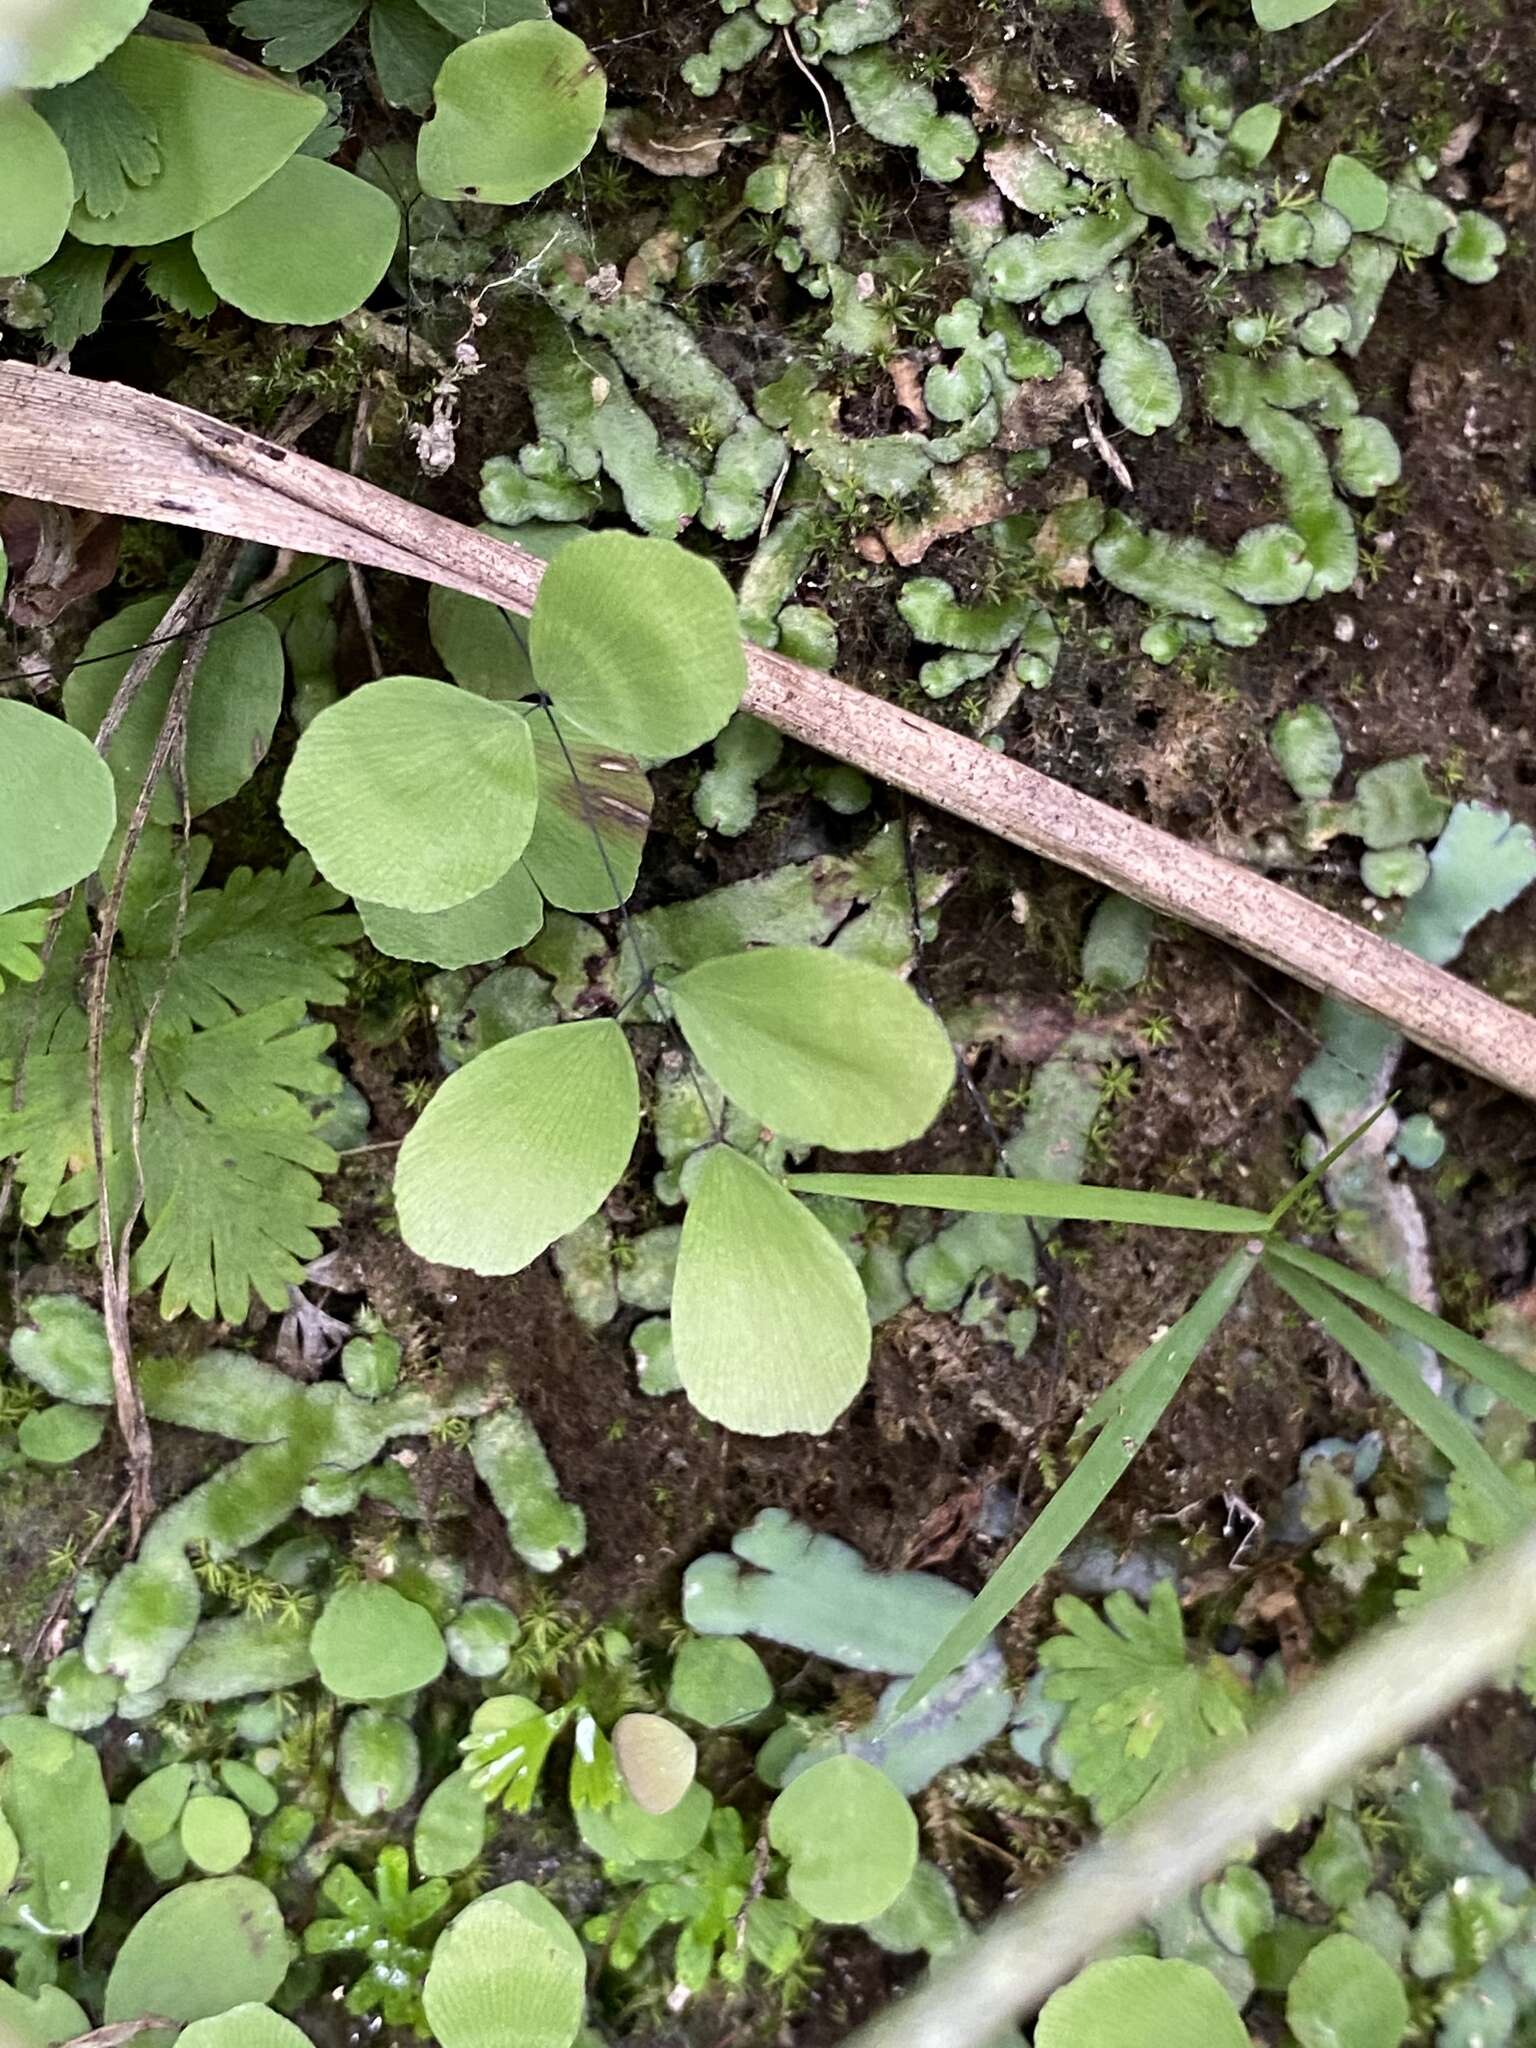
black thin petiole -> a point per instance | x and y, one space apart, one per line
23 675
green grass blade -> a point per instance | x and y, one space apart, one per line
1399 1380
1147 1387
1480 1362
1308 1181
1119 1394
993 1195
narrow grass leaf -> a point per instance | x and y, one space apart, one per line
1126 1423
769 1323
994 1196
1394 1376
1325 1165
1479 1361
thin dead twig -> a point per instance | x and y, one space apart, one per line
118 2034
360 599
1378 1694
200 600
49 1637
109 449
1327 70
816 86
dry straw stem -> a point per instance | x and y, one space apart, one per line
109 449
195 608
1400 1679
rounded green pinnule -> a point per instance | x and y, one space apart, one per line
378 1762
210 1945
509 1967
371 1643
519 1147
817 1046
215 1833
476 641
307 247
1117 944
154 1805
638 643
38 184
1238 1908
57 804
925 1919
624 1833
850 1839
60 1434
770 1327
41 2022
719 1681
243 2026
233 710
1134 2001
450 1829
50 42
477 645
656 1760
224 127
1254 131
594 813
1277 14
245 1783
1345 1995
412 793
1420 1142
515 110
481 1637
487 927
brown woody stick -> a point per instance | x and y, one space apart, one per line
1403 1676
106 448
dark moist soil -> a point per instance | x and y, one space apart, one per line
1434 655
